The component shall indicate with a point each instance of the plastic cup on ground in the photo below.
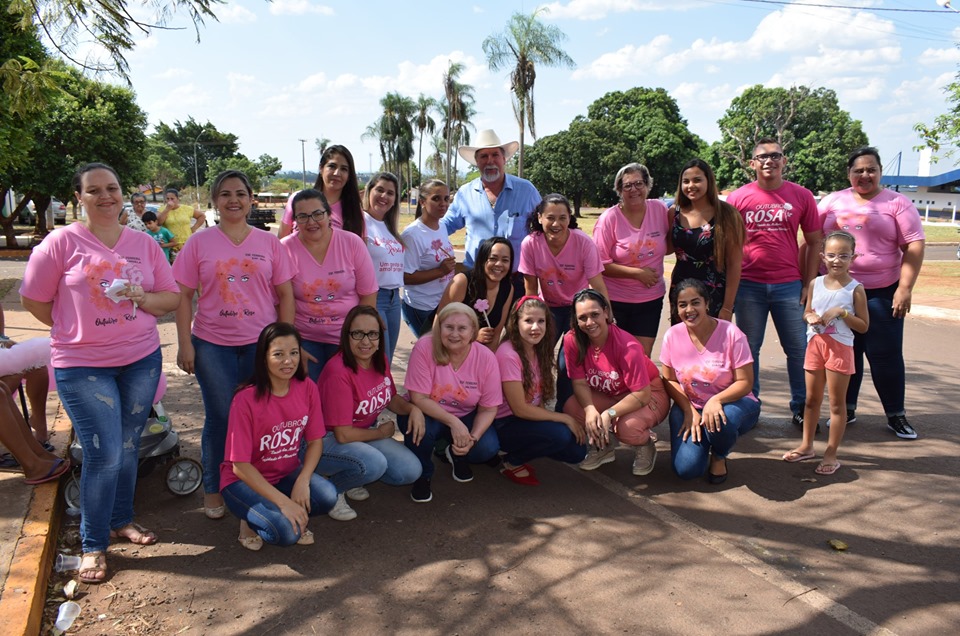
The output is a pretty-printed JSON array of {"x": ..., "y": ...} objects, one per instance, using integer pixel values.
[
  {"x": 67, "y": 614},
  {"x": 66, "y": 563}
]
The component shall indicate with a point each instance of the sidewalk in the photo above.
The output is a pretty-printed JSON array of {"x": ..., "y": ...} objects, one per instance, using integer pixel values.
[{"x": 585, "y": 552}]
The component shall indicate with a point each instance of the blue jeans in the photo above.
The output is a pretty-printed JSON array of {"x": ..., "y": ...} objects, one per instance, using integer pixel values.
[
  {"x": 782, "y": 302},
  {"x": 219, "y": 370},
  {"x": 564, "y": 383},
  {"x": 358, "y": 463},
  {"x": 388, "y": 304},
  {"x": 526, "y": 440},
  {"x": 322, "y": 351},
  {"x": 417, "y": 319},
  {"x": 484, "y": 450},
  {"x": 883, "y": 345},
  {"x": 265, "y": 518},
  {"x": 109, "y": 407},
  {"x": 561, "y": 321},
  {"x": 690, "y": 458}
]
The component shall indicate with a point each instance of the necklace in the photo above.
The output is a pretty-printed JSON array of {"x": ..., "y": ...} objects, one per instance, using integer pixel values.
[
  {"x": 596, "y": 352},
  {"x": 236, "y": 240}
]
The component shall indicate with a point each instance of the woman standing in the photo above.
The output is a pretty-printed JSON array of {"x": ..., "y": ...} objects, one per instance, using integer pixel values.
[
  {"x": 455, "y": 382},
  {"x": 616, "y": 388},
  {"x": 708, "y": 371},
  {"x": 100, "y": 287},
  {"x": 339, "y": 184},
  {"x": 557, "y": 260},
  {"x": 386, "y": 248},
  {"x": 633, "y": 237},
  {"x": 487, "y": 289},
  {"x": 356, "y": 386},
  {"x": 428, "y": 259},
  {"x": 708, "y": 238},
  {"x": 243, "y": 275},
  {"x": 182, "y": 220},
  {"x": 333, "y": 275},
  {"x": 525, "y": 428},
  {"x": 890, "y": 247}
]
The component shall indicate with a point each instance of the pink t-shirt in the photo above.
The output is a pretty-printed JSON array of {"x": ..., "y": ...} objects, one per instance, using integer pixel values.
[
  {"x": 511, "y": 370},
  {"x": 881, "y": 226},
  {"x": 386, "y": 253},
  {"x": 326, "y": 291},
  {"x": 565, "y": 274},
  {"x": 621, "y": 243},
  {"x": 773, "y": 217},
  {"x": 703, "y": 374},
  {"x": 458, "y": 391},
  {"x": 336, "y": 213},
  {"x": 73, "y": 269},
  {"x": 353, "y": 399},
  {"x": 237, "y": 283},
  {"x": 620, "y": 367},
  {"x": 267, "y": 433}
]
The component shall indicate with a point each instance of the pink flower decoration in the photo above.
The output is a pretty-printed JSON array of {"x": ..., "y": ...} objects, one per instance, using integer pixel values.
[{"x": 482, "y": 305}]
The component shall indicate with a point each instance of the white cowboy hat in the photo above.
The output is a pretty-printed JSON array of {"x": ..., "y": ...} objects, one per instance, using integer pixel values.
[{"x": 488, "y": 139}]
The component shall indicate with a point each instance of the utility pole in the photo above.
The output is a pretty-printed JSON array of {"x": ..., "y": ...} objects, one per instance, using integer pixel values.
[
  {"x": 196, "y": 171},
  {"x": 303, "y": 157}
]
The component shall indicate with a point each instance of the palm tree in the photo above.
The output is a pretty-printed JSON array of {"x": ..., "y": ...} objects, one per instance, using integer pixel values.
[
  {"x": 373, "y": 132},
  {"x": 435, "y": 160},
  {"x": 425, "y": 123},
  {"x": 525, "y": 43},
  {"x": 457, "y": 109}
]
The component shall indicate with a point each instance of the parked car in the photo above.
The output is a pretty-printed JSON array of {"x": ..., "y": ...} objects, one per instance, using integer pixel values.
[{"x": 59, "y": 211}]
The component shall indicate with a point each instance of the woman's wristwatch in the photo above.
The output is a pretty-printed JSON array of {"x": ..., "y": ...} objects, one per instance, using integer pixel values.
[{"x": 612, "y": 413}]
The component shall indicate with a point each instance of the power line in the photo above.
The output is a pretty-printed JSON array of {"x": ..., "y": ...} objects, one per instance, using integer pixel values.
[{"x": 845, "y": 6}]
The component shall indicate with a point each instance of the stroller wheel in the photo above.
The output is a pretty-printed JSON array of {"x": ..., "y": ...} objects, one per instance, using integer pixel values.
[
  {"x": 184, "y": 476},
  {"x": 71, "y": 490}
]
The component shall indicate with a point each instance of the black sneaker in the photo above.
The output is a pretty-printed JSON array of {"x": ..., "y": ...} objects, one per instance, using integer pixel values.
[
  {"x": 851, "y": 416},
  {"x": 797, "y": 420},
  {"x": 461, "y": 467},
  {"x": 899, "y": 425},
  {"x": 421, "y": 492}
]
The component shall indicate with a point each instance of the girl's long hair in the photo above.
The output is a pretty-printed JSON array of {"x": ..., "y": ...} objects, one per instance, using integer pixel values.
[
  {"x": 350, "y": 196},
  {"x": 543, "y": 351},
  {"x": 477, "y": 277},
  {"x": 260, "y": 380},
  {"x": 533, "y": 221},
  {"x": 392, "y": 217},
  {"x": 578, "y": 336},
  {"x": 727, "y": 221}
]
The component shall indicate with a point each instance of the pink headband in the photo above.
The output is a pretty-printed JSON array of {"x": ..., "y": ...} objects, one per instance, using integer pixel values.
[{"x": 523, "y": 299}]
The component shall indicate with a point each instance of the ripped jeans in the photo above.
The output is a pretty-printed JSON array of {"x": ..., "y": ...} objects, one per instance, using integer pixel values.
[{"x": 109, "y": 407}]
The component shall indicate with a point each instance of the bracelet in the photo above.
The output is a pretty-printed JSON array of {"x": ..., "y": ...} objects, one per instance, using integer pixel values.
[{"x": 844, "y": 314}]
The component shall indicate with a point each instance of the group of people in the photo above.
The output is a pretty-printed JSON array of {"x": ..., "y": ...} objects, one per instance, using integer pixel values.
[{"x": 293, "y": 338}]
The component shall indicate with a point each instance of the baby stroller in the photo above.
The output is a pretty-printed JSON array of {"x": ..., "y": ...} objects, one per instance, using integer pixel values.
[{"x": 159, "y": 444}]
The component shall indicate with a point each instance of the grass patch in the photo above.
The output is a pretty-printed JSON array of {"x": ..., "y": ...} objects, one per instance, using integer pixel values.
[{"x": 942, "y": 233}]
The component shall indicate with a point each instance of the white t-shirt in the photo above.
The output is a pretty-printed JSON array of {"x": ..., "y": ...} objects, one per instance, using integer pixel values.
[
  {"x": 425, "y": 248},
  {"x": 386, "y": 252}
]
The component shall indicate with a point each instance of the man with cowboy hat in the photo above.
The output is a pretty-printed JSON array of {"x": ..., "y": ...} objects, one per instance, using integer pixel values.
[{"x": 494, "y": 204}]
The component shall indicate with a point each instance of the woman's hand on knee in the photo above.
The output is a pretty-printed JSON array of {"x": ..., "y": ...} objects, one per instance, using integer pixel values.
[{"x": 713, "y": 416}]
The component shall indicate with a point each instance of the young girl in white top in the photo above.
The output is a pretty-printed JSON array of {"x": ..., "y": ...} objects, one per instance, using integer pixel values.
[{"x": 836, "y": 307}]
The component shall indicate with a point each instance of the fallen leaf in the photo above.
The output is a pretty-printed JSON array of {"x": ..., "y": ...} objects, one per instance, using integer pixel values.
[{"x": 837, "y": 545}]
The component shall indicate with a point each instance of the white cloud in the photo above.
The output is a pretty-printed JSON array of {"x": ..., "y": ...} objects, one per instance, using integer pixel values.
[
  {"x": 628, "y": 61},
  {"x": 598, "y": 9},
  {"x": 174, "y": 73},
  {"x": 314, "y": 82},
  {"x": 176, "y": 103},
  {"x": 478, "y": 9},
  {"x": 799, "y": 28},
  {"x": 933, "y": 57},
  {"x": 235, "y": 14},
  {"x": 712, "y": 51},
  {"x": 298, "y": 7}
]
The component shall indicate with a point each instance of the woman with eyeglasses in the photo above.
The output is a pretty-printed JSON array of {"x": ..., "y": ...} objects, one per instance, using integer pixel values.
[
  {"x": 487, "y": 288},
  {"x": 707, "y": 236},
  {"x": 333, "y": 275},
  {"x": 633, "y": 237},
  {"x": 381, "y": 200},
  {"x": 617, "y": 392},
  {"x": 243, "y": 275},
  {"x": 356, "y": 386},
  {"x": 890, "y": 247},
  {"x": 338, "y": 182}
]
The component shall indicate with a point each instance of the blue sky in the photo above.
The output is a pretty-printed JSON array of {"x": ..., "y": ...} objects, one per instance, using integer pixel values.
[{"x": 273, "y": 73}]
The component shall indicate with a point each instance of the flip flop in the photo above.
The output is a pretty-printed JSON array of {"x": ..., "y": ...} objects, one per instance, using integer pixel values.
[
  {"x": 142, "y": 536},
  {"x": 90, "y": 574},
  {"x": 60, "y": 467},
  {"x": 827, "y": 469},
  {"x": 794, "y": 456}
]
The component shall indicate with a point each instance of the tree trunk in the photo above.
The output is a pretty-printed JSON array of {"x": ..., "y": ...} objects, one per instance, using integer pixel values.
[
  {"x": 522, "y": 126},
  {"x": 577, "y": 200}
]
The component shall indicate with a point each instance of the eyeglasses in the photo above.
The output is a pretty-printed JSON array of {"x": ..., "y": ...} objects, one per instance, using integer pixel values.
[
  {"x": 830, "y": 256},
  {"x": 634, "y": 185},
  {"x": 772, "y": 156},
  {"x": 358, "y": 335},
  {"x": 316, "y": 216}
]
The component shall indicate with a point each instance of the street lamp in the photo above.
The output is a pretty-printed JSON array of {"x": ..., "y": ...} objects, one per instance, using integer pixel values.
[
  {"x": 196, "y": 171},
  {"x": 946, "y": 5},
  {"x": 303, "y": 158}
]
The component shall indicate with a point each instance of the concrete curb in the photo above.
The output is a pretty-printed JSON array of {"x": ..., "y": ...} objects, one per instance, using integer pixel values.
[{"x": 922, "y": 311}]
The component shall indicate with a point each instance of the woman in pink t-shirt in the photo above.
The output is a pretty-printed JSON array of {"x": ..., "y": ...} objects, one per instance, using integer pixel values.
[
  {"x": 100, "y": 288},
  {"x": 616, "y": 388},
  {"x": 334, "y": 274},
  {"x": 338, "y": 182},
  {"x": 633, "y": 237},
  {"x": 455, "y": 381},
  {"x": 243, "y": 275},
  {"x": 526, "y": 429},
  {"x": 890, "y": 246},
  {"x": 272, "y": 415},
  {"x": 356, "y": 386},
  {"x": 708, "y": 371}
]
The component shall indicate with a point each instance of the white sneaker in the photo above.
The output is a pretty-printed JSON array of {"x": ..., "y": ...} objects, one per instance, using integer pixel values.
[
  {"x": 596, "y": 457},
  {"x": 358, "y": 494},
  {"x": 645, "y": 459},
  {"x": 342, "y": 510}
]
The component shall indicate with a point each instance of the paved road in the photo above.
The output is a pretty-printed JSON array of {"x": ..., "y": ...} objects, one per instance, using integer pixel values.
[{"x": 941, "y": 252}]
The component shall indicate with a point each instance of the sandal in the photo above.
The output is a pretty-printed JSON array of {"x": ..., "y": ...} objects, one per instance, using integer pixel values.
[
  {"x": 59, "y": 468},
  {"x": 824, "y": 468},
  {"x": 521, "y": 474},
  {"x": 253, "y": 542},
  {"x": 135, "y": 533},
  {"x": 96, "y": 573},
  {"x": 306, "y": 538}
]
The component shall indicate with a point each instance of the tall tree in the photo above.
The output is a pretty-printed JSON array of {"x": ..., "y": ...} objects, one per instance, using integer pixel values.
[
  {"x": 944, "y": 134},
  {"x": 161, "y": 166},
  {"x": 525, "y": 43},
  {"x": 457, "y": 111},
  {"x": 321, "y": 143},
  {"x": 193, "y": 140},
  {"x": 815, "y": 133},
  {"x": 425, "y": 124}
]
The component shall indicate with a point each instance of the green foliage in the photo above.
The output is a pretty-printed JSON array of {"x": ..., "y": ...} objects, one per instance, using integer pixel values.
[
  {"x": 192, "y": 139},
  {"x": 651, "y": 127},
  {"x": 258, "y": 172},
  {"x": 815, "y": 133},
  {"x": 944, "y": 134},
  {"x": 580, "y": 162},
  {"x": 161, "y": 167}
]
